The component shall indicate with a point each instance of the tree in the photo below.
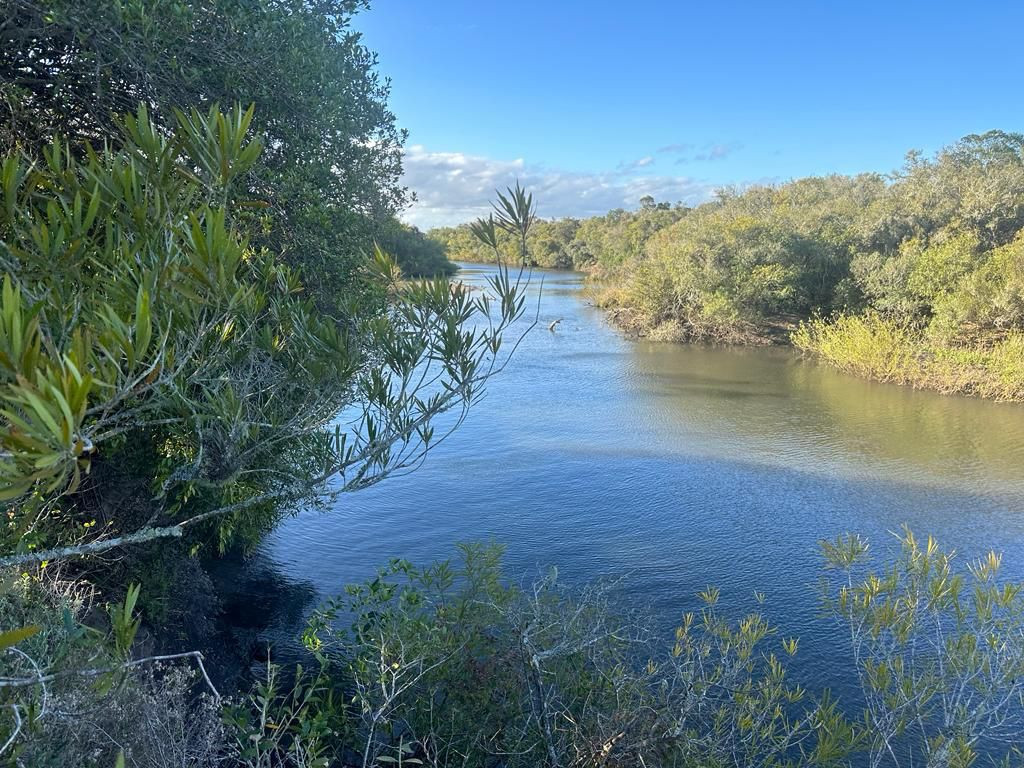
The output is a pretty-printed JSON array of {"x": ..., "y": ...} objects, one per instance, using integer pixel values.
[
  {"x": 331, "y": 155},
  {"x": 415, "y": 253},
  {"x": 150, "y": 351}
]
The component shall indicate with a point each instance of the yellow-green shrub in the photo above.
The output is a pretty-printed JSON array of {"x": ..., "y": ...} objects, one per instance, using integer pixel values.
[{"x": 871, "y": 346}]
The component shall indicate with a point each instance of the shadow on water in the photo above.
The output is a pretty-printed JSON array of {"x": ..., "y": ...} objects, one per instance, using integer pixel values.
[
  {"x": 263, "y": 611},
  {"x": 681, "y": 466}
]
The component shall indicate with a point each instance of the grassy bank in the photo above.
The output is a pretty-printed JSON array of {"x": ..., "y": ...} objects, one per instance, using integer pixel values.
[
  {"x": 871, "y": 346},
  {"x": 866, "y": 345},
  {"x": 937, "y": 246}
]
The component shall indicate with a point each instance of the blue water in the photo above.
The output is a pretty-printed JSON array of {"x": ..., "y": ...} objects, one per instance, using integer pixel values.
[{"x": 678, "y": 467}]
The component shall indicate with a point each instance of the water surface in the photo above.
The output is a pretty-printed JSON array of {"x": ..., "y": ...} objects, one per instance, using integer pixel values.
[{"x": 682, "y": 466}]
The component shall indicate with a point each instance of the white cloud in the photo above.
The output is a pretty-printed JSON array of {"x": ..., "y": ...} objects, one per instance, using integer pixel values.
[
  {"x": 707, "y": 153},
  {"x": 643, "y": 162},
  {"x": 453, "y": 187},
  {"x": 674, "y": 149},
  {"x": 718, "y": 151}
]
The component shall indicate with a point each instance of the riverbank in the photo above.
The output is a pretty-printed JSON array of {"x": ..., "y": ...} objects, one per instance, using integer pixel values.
[
  {"x": 869, "y": 346},
  {"x": 862, "y": 345},
  {"x": 694, "y": 328},
  {"x": 937, "y": 247}
]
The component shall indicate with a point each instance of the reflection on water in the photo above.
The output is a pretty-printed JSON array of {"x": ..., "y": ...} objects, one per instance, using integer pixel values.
[
  {"x": 683, "y": 466},
  {"x": 772, "y": 405}
]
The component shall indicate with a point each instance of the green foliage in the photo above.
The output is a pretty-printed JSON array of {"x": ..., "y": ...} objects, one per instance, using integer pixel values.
[
  {"x": 867, "y": 344},
  {"x": 415, "y": 253},
  {"x": 126, "y": 276},
  {"x": 593, "y": 243},
  {"x": 987, "y": 301},
  {"x": 124, "y": 624},
  {"x": 886, "y": 350},
  {"x": 150, "y": 346},
  {"x": 938, "y": 652},
  {"x": 297, "y": 724},
  {"x": 332, "y": 157},
  {"x": 509, "y": 227},
  {"x": 733, "y": 268},
  {"x": 916, "y": 278},
  {"x": 450, "y": 666},
  {"x": 12, "y": 637}
]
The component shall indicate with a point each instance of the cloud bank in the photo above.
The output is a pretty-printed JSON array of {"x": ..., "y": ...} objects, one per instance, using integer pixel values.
[{"x": 453, "y": 187}]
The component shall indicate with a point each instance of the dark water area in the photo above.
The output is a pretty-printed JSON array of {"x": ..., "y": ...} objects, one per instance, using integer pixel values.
[{"x": 677, "y": 467}]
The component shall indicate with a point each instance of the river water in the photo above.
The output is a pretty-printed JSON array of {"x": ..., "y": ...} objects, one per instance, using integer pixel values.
[{"x": 677, "y": 467}]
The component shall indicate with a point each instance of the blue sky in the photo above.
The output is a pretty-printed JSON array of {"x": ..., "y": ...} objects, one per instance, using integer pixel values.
[{"x": 594, "y": 104}]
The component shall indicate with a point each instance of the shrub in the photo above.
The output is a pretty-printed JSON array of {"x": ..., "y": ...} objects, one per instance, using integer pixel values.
[
  {"x": 448, "y": 665},
  {"x": 869, "y": 345},
  {"x": 72, "y": 694},
  {"x": 150, "y": 353}
]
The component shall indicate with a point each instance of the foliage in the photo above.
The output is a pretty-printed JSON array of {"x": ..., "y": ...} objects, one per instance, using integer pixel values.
[
  {"x": 279, "y": 724},
  {"x": 886, "y": 350},
  {"x": 450, "y": 666},
  {"x": 568, "y": 243},
  {"x": 916, "y": 278},
  {"x": 938, "y": 652},
  {"x": 511, "y": 223},
  {"x": 332, "y": 154},
  {"x": 72, "y": 694},
  {"x": 150, "y": 352},
  {"x": 415, "y": 253},
  {"x": 921, "y": 249},
  {"x": 164, "y": 374}
]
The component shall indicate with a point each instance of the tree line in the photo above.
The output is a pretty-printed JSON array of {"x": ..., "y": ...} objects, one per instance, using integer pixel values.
[{"x": 916, "y": 276}]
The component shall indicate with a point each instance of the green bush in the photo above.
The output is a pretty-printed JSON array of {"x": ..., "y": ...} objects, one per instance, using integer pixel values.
[
  {"x": 151, "y": 353},
  {"x": 867, "y": 345},
  {"x": 331, "y": 163},
  {"x": 885, "y": 350},
  {"x": 451, "y": 665}
]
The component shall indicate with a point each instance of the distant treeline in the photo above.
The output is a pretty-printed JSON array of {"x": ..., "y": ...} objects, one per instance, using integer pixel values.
[
  {"x": 915, "y": 277},
  {"x": 569, "y": 243}
]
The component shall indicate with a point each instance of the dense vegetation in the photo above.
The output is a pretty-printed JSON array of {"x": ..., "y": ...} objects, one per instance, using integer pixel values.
[
  {"x": 601, "y": 241},
  {"x": 917, "y": 277},
  {"x": 202, "y": 331},
  {"x": 328, "y": 172},
  {"x": 165, "y": 379},
  {"x": 450, "y": 666}
]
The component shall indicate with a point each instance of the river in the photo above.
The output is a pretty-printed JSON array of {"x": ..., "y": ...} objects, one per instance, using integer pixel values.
[{"x": 680, "y": 466}]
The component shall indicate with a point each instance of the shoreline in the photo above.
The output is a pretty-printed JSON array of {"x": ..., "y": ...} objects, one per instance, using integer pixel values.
[{"x": 861, "y": 345}]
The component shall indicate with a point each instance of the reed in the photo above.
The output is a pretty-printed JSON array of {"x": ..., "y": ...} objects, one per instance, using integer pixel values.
[{"x": 875, "y": 347}]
